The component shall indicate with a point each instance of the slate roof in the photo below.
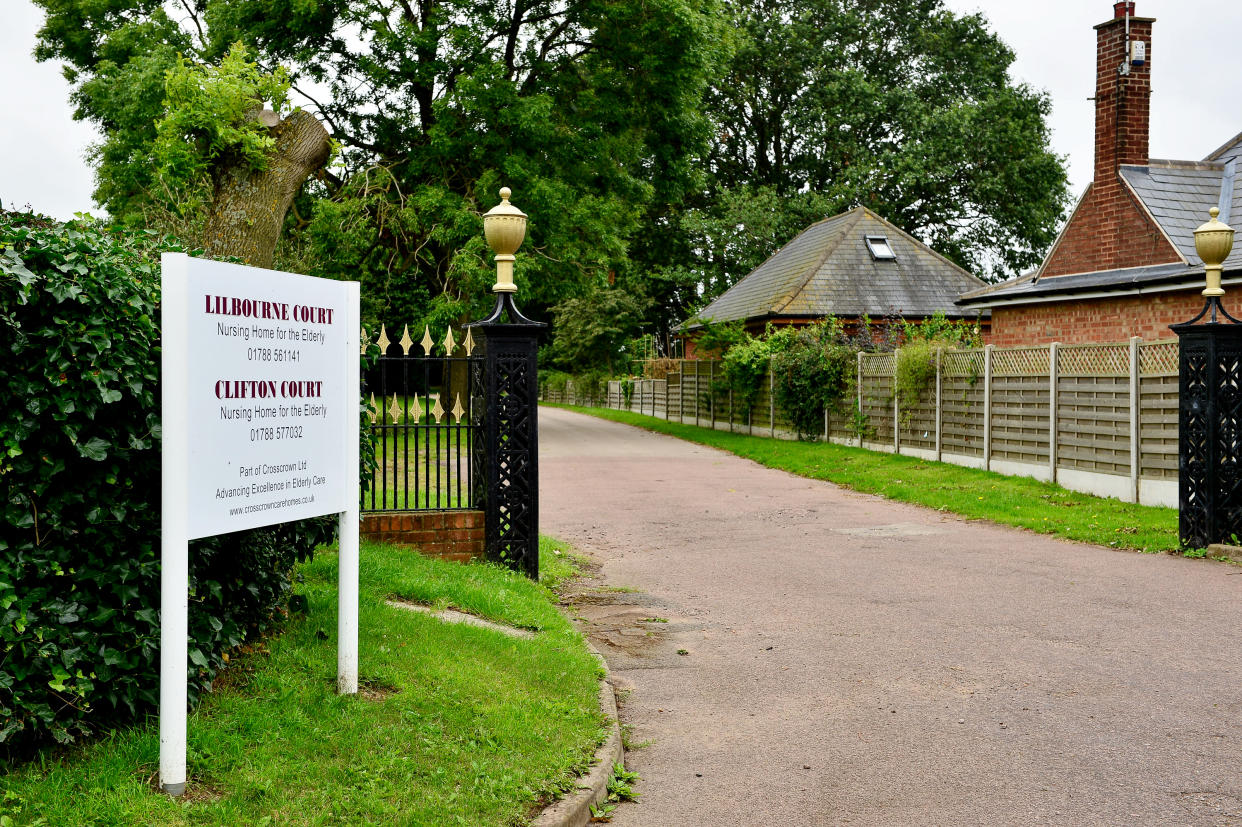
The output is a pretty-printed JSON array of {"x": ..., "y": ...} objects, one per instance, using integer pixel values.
[
  {"x": 828, "y": 270},
  {"x": 1177, "y": 195}
]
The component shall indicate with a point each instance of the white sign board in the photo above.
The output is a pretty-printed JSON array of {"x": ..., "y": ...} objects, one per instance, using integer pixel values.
[
  {"x": 259, "y": 411},
  {"x": 267, "y": 357}
]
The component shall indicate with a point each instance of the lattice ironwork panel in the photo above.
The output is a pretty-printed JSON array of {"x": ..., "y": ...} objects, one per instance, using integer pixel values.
[
  {"x": 967, "y": 363},
  {"x": 1093, "y": 360},
  {"x": 1195, "y": 484},
  {"x": 1158, "y": 359},
  {"x": 514, "y": 479},
  {"x": 1023, "y": 361},
  {"x": 1229, "y": 445}
]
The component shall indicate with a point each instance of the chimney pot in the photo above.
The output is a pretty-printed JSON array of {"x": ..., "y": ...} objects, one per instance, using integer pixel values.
[{"x": 1120, "y": 9}]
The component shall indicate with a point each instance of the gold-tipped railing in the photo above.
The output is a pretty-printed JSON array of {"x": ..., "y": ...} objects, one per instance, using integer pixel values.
[{"x": 422, "y": 421}]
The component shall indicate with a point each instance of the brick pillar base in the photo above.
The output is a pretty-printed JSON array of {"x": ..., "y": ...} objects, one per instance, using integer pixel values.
[{"x": 448, "y": 535}]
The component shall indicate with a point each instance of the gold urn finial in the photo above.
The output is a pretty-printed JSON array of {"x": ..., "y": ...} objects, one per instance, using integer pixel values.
[
  {"x": 1213, "y": 243},
  {"x": 504, "y": 227}
]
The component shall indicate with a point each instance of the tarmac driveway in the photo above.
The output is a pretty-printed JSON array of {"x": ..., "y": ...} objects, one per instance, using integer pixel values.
[{"x": 800, "y": 654}]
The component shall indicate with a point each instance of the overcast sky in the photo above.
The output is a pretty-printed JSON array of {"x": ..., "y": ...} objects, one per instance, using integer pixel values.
[{"x": 1194, "y": 80}]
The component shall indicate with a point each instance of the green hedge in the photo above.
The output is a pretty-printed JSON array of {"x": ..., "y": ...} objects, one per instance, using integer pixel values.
[{"x": 80, "y": 469}]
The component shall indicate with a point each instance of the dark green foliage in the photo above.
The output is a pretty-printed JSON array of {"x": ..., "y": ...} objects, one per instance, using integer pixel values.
[
  {"x": 902, "y": 106},
  {"x": 593, "y": 331},
  {"x": 590, "y": 111},
  {"x": 921, "y": 344},
  {"x": 713, "y": 339},
  {"x": 813, "y": 371},
  {"x": 554, "y": 381},
  {"x": 744, "y": 366},
  {"x": 80, "y": 469}
]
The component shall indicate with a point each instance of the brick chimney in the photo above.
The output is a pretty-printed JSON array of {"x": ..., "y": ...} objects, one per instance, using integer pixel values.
[
  {"x": 1122, "y": 92},
  {"x": 1109, "y": 229}
]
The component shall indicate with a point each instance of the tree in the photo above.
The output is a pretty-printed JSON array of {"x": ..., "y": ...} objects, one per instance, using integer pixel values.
[
  {"x": 592, "y": 330},
  {"x": 589, "y": 109},
  {"x": 217, "y": 146},
  {"x": 897, "y": 105}
]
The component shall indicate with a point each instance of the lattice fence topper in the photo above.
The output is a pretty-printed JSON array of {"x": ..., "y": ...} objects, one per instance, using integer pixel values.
[
  {"x": 1020, "y": 361},
  {"x": 967, "y": 363},
  {"x": 427, "y": 343},
  {"x": 1094, "y": 360},
  {"x": 878, "y": 364},
  {"x": 1158, "y": 359}
]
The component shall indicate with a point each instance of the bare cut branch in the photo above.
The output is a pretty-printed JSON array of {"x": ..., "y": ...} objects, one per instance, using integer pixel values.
[{"x": 202, "y": 40}]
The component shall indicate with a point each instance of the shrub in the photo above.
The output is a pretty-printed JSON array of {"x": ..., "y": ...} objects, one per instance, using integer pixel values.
[
  {"x": 552, "y": 381},
  {"x": 80, "y": 468},
  {"x": 714, "y": 339},
  {"x": 915, "y": 372},
  {"x": 744, "y": 366},
  {"x": 813, "y": 370},
  {"x": 592, "y": 385}
]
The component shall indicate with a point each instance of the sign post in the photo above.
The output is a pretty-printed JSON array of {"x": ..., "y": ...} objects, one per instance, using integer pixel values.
[{"x": 259, "y": 404}]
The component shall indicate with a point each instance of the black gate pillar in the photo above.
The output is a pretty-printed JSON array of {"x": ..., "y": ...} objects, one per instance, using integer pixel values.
[
  {"x": 506, "y": 464},
  {"x": 1210, "y": 406}
]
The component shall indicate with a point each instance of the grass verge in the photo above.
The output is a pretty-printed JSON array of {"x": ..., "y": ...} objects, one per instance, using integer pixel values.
[
  {"x": 454, "y": 724},
  {"x": 969, "y": 492}
]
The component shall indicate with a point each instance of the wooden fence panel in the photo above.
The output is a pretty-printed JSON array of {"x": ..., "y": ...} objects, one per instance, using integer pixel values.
[
  {"x": 1093, "y": 406},
  {"x": 918, "y": 423},
  {"x": 1158, "y": 442},
  {"x": 759, "y": 419},
  {"x": 1093, "y": 423},
  {"x": 1020, "y": 414},
  {"x": 877, "y": 396},
  {"x": 962, "y": 403},
  {"x": 841, "y": 423},
  {"x": 672, "y": 386}
]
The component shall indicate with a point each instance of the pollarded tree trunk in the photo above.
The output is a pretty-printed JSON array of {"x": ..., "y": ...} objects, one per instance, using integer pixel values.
[{"x": 249, "y": 206}]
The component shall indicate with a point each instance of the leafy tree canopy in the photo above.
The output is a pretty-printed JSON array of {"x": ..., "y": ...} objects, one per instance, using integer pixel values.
[
  {"x": 589, "y": 109},
  {"x": 667, "y": 145},
  {"x": 897, "y": 105}
]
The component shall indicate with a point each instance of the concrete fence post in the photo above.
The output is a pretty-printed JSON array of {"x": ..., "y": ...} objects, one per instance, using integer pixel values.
[
  {"x": 697, "y": 393},
  {"x": 896, "y": 405},
  {"x": 1136, "y": 433},
  {"x": 771, "y": 399},
  {"x": 711, "y": 389},
  {"x": 1054, "y": 377},
  {"x": 987, "y": 406},
  {"x": 939, "y": 403},
  {"x": 858, "y": 435}
]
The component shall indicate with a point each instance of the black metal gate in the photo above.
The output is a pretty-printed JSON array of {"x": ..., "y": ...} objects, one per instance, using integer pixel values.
[{"x": 426, "y": 414}]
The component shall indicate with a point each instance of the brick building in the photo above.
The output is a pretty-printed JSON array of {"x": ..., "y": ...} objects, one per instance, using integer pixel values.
[{"x": 1125, "y": 263}]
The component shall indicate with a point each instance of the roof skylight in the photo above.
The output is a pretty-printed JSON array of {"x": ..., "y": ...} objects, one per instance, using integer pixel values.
[{"x": 879, "y": 248}]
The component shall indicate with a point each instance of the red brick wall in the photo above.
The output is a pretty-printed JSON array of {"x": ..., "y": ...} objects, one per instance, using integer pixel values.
[
  {"x": 1110, "y": 229},
  {"x": 449, "y": 535},
  {"x": 1094, "y": 321},
  {"x": 1108, "y": 232}
]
